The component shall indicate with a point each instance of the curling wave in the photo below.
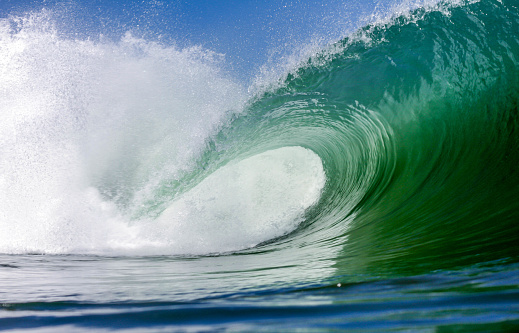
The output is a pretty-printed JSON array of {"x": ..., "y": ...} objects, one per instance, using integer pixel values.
[{"x": 392, "y": 149}]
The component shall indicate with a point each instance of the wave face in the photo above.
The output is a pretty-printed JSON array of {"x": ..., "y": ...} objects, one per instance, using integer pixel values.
[
  {"x": 415, "y": 121},
  {"x": 397, "y": 145}
]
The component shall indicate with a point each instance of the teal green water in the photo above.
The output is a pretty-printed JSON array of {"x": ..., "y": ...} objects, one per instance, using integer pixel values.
[
  {"x": 416, "y": 124},
  {"x": 415, "y": 120}
]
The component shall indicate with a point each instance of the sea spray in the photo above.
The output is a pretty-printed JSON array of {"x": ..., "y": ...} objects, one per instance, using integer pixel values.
[{"x": 90, "y": 127}]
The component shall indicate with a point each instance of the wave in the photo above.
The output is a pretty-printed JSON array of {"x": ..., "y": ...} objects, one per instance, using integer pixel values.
[
  {"x": 416, "y": 123},
  {"x": 391, "y": 150}
]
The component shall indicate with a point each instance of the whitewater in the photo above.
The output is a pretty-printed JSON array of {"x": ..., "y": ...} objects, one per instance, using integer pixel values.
[{"x": 363, "y": 181}]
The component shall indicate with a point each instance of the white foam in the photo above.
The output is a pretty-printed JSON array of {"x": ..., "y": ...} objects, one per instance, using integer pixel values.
[
  {"x": 88, "y": 124},
  {"x": 243, "y": 203},
  {"x": 90, "y": 129}
]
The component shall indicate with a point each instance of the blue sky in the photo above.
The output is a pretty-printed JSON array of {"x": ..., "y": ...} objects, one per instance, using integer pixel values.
[{"x": 246, "y": 31}]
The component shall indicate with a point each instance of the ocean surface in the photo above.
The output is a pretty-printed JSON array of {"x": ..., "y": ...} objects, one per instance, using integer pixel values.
[{"x": 369, "y": 183}]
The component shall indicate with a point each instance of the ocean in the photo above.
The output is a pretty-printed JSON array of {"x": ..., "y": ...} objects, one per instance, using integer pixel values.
[{"x": 369, "y": 183}]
